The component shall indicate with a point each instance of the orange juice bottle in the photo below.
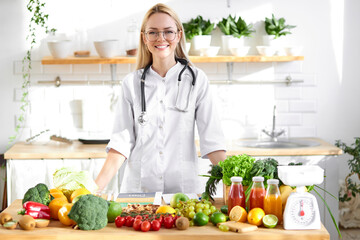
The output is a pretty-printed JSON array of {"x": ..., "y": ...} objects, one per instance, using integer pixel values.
[{"x": 272, "y": 201}]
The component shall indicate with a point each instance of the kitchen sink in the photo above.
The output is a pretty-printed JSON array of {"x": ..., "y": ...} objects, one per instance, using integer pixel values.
[{"x": 281, "y": 143}]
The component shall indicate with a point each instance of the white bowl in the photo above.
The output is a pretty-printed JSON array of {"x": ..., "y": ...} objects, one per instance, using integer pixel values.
[
  {"x": 59, "y": 48},
  {"x": 211, "y": 51},
  {"x": 239, "y": 51},
  {"x": 294, "y": 50},
  {"x": 106, "y": 48},
  {"x": 266, "y": 50}
]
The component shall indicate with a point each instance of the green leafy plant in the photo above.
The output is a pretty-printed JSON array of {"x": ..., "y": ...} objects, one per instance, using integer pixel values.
[
  {"x": 197, "y": 27},
  {"x": 351, "y": 188},
  {"x": 277, "y": 27},
  {"x": 237, "y": 28},
  {"x": 38, "y": 20}
]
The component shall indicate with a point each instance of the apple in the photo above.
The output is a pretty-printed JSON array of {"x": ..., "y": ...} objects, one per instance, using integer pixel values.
[{"x": 176, "y": 198}]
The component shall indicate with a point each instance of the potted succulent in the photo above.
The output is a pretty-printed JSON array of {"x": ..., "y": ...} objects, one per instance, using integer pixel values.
[
  {"x": 198, "y": 31},
  {"x": 275, "y": 28},
  {"x": 235, "y": 31}
]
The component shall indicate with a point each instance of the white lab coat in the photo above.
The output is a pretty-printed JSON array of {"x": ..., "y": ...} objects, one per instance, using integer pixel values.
[{"x": 161, "y": 155}]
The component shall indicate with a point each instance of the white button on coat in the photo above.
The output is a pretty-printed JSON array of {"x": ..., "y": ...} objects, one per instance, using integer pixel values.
[{"x": 141, "y": 145}]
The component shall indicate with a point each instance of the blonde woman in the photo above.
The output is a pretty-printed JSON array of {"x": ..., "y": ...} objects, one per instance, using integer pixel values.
[{"x": 155, "y": 120}]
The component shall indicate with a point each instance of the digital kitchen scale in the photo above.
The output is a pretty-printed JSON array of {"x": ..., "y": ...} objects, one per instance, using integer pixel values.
[{"x": 301, "y": 210}]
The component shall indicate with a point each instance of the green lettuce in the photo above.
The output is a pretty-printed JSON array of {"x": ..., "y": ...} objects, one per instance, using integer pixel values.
[
  {"x": 238, "y": 165},
  {"x": 68, "y": 180}
]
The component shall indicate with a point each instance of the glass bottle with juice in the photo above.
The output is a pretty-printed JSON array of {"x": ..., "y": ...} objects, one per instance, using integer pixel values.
[
  {"x": 236, "y": 194},
  {"x": 257, "y": 193},
  {"x": 272, "y": 201}
]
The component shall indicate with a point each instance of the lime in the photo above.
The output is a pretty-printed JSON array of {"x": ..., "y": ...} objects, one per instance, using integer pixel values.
[
  {"x": 217, "y": 217},
  {"x": 114, "y": 210},
  {"x": 270, "y": 221},
  {"x": 201, "y": 219},
  {"x": 224, "y": 209}
]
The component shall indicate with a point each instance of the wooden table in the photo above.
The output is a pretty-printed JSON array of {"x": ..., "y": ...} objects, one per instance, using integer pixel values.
[{"x": 58, "y": 231}]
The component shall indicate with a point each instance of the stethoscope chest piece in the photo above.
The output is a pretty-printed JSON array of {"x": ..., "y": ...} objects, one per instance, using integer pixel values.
[{"x": 143, "y": 119}]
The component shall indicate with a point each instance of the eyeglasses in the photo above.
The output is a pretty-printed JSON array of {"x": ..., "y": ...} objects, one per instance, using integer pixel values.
[{"x": 168, "y": 35}]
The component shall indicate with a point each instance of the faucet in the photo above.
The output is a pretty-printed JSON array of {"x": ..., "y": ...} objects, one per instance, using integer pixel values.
[{"x": 273, "y": 134}]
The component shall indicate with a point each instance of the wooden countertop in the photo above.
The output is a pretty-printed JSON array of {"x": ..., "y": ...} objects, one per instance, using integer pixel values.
[
  {"x": 56, "y": 150},
  {"x": 58, "y": 231}
]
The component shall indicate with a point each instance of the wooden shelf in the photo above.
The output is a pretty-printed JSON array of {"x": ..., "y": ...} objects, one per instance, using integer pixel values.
[{"x": 196, "y": 59}]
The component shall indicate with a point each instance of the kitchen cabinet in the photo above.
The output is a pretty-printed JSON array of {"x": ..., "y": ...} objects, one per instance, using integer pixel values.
[{"x": 56, "y": 230}]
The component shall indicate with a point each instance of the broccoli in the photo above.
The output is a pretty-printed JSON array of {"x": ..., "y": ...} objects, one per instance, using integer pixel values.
[
  {"x": 40, "y": 193},
  {"x": 90, "y": 212}
]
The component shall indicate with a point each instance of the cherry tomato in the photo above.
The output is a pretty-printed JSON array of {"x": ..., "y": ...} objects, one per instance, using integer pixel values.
[
  {"x": 155, "y": 225},
  {"x": 168, "y": 222},
  {"x": 129, "y": 221},
  {"x": 137, "y": 224},
  {"x": 160, "y": 218},
  {"x": 176, "y": 217},
  {"x": 119, "y": 221},
  {"x": 145, "y": 226},
  {"x": 138, "y": 217}
]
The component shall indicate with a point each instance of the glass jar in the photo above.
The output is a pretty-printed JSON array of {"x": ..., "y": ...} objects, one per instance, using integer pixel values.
[
  {"x": 236, "y": 194},
  {"x": 257, "y": 193},
  {"x": 132, "y": 38},
  {"x": 272, "y": 202}
]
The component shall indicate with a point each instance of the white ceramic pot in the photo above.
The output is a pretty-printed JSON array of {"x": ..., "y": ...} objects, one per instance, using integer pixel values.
[
  {"x": 59, "y": 48},
  {"x": 107, "y": 48},
  {"x": 240, "y": 51},
  {"x": 225, "y": 44},
  {"x": 211, "y": 51},
  {"x": 236, "y": 42},
  {"x": 199, "y": 42},
  {"x": 277, "y": 43}
]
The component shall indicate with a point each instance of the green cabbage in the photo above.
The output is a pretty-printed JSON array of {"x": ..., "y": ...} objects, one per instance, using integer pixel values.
[{"x": 68, "y": 180}]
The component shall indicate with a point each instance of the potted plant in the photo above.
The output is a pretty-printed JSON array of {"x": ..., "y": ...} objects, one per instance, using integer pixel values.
[
  {"x": 350, "y": 192},
  {"x": 275, "y": 28},
  {"x": 198, "y": 31},
  {"x": 235, "y": 31}
]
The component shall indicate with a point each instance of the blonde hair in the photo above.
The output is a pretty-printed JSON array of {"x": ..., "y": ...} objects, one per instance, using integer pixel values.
[{"x": 144, "y": 56}]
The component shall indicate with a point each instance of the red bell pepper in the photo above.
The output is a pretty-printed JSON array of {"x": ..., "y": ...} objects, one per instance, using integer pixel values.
[{"x": 36, "y": 210}]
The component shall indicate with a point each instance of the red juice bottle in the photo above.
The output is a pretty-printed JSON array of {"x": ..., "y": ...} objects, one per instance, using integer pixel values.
[
  {"x": 257, "y": 193},
  {"x": 236, "y": 194}
]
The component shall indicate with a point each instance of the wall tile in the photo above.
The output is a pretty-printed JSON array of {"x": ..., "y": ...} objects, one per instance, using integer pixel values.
[
  {"x": 57, "y": 68},
  {"x": 207, "y": 67},
  {"x": 120, "y": 68},
  {"x": 288, "y": 119},
  {"x": 305, "y": 131},
  {"x": 288, "y": 67},
  {"x": 86, "y": 68},
  {"x": 302, "y": 106},
  {"x": 282, "y": 106},
  {"x": 288, "y": 93}
]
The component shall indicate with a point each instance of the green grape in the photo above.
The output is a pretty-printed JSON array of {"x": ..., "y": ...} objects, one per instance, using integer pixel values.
[
  {"x": 207, "y": 212},
  {"x": 191, "y": 214},
  {"x": 206, "y": 206},
  {"x": 191, "y": 223},
  {"x": 213, "y": 209},
  {"x": 191, "y": 208},
  {"x": 178, "y": 205},
  {"x": 198, "y": 210},
  {"x": 199, "y": 205},
  {"x": 224, "y": 228}
]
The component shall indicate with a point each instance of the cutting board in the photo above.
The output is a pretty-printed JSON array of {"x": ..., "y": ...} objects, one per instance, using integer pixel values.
[{"x": 239, "y": 227}]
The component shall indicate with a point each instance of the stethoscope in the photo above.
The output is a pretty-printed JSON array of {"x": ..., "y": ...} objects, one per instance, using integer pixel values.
[{"x": 143, "y": 119}]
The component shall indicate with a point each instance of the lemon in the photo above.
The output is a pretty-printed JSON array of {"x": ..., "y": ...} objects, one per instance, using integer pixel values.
[
  {"x": 255, "y": 216},
  {"x": 238, "y": 214},
  {"x": 165, "y": 209},
  {"x": 270, "y": 221}
]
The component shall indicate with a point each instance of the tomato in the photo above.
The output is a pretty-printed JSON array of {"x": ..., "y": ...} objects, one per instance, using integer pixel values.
[
  {"x": 145, "y": 226},
  {"x": 129, "y": 221},
  {"x": 155, "y": 225},
  {"x": 176, "y": 217},
  {"x": 137, "y": 224},
  {"x": 160, "y": 218},
  {"x": 138, "y": 217},
  {"x": 119, "y": 221},
  {"x": 168, "y": 222}
]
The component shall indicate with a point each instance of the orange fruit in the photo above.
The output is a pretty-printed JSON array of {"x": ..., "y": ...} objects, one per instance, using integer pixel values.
[
  {"x": 165, "y": 209},
  {"x": 63, "y": 214},
  {"x": 78, "y": 192},
  {"x": 55, "y": 206},
  {"x": 238, "y": 214},
  {"x": 255, "y": 216}
]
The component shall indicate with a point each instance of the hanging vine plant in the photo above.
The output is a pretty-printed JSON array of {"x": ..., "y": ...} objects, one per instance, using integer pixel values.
[{"x": 38, "y": 21}]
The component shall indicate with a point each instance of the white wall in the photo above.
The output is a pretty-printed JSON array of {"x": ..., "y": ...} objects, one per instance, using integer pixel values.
[{"x": 324, "y": 106}]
